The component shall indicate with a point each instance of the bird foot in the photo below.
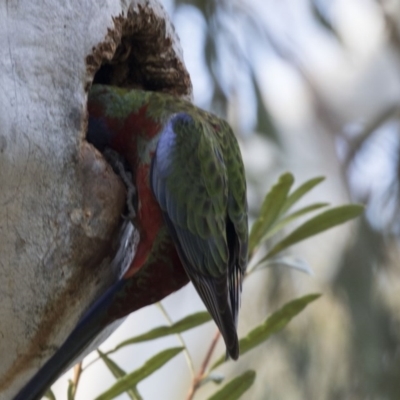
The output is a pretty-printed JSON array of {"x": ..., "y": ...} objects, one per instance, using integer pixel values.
[{"x": 118, "y": 164}]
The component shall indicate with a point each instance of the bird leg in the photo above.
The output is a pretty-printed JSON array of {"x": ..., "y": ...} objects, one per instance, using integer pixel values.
[{"x": 120, "y": 168}]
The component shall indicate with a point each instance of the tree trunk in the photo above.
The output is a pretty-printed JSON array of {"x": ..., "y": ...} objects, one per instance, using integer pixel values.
[{"x": 62, "y": 239}]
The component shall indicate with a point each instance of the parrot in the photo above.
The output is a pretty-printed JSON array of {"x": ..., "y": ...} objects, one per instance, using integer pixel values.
[{"x": 189, "y": 207}]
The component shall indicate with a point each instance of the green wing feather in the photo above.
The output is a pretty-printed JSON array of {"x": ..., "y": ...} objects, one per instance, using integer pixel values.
[{"x": 192, "y": 177}]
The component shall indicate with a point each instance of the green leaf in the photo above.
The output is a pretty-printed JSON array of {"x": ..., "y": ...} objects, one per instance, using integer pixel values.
[
  {"x": 236, "y": 387},
  {"x": 50, "y": 395},
  {"x": 182, "y": 325},
  {"x": 274, "y": 323},
  {"x": 270, "y": 209},
  {"x": 280, "y": 224},
  {"x": 321, "y": 222},
  {"x": 289, "y": 261},
  {"x": 300, "y": 192},
  {"x": 70, "y": 392},
  {"x": 112, "y": 366},
  {"x": 132, "y": 379},
  {"x": 118, "y": 373}
]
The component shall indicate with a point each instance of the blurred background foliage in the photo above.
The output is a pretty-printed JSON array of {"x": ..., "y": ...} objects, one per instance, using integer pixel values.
[{"x": 313, "y": 87}]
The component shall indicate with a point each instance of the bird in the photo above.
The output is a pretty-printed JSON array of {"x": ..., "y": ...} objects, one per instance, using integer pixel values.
[{"x": 189, "y": 207}]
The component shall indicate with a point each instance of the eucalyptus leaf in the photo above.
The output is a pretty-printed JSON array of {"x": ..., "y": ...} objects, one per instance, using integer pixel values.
[
  {"x": 112, "y": 366},
  {"x": 70, "y": 391},
  {"x": 118, "y": 372},
  {"x": 274, "y": 323},
  {"x": 132, "y": 379},
  {"x": 50, "y": 395},
  {"x": 182, "y": 325},
  {"x": 270, "y": 209},
  {"x": 320, "y": 223},
  {"x": 296, "y": 263},
  {"x": 280, "y": 224},
  {"x": 302, "y": 190},
  {"x": 236, "y": 387}
]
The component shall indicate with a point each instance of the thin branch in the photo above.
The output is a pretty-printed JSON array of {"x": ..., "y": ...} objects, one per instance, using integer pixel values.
[
  {"x": 77, "y": 376},
  {"x": 201, "y": 374},
  {"x": 185, "y": 352}
]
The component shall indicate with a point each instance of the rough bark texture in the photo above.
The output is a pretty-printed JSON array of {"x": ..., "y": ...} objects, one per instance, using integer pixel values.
[{"x": 60, "y": 203}]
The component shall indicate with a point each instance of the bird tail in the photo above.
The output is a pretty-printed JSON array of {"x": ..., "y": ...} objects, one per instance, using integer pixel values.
[{"x": 215, "y": 294}]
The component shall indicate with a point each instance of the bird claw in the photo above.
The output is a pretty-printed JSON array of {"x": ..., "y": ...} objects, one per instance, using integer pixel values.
[{"x": 118, "y": 165}]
